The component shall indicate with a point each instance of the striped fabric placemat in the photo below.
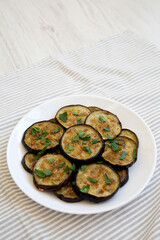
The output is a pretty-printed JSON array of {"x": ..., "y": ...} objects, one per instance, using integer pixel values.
[{"x": 124, "y": 68}]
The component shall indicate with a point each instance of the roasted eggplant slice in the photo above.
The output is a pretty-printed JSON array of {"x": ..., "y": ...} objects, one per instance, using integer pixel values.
[
  {"x": 120, "y": 152},
  {"x": 97, "y": 182},
  {"x": 93, "y": 108},
  {"x": 71, "y": 115},
  {"x": 123, "y": 176},
  {"x": 52, "y": 171},
  {"x": 106, "y": 123},
  {"x": 41, "y": 134},
  {"x": 68, "y": 194},
  {"x": 28, "y": 162},
  {"x": 130, "y": 134},
  {"x": 81, "y": 144}
]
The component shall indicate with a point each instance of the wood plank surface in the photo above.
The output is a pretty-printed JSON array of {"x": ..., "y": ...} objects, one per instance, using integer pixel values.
[{"x": 31, "y": 30}]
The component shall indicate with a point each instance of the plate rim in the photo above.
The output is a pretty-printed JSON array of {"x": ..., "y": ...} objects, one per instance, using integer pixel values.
[{"x": 77, "y": 212}]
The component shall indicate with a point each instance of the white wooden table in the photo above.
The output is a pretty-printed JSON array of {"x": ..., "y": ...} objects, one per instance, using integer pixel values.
[{"x": 31, "y": 30}]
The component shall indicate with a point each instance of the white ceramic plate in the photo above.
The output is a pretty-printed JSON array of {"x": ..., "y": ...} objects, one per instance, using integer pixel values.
[{"x": 139, "y": 174}]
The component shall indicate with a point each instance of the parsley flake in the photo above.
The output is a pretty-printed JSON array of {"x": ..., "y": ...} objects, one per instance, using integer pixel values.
[
  {"x": 123, "y": 156},
  {"x": 92, "y": 180},
  {"x": 134, "y": 153},
  {"x": 107, "y": 179},
  {"x": 83, "y": 135},
  {"x": 40, "y": 153},
  {"x": 96, "y": 140},
  {"x": 51, "y": 160},
  {"x": 63, "y": 116},
  {"x": 42, "y": 174},
  {"x": 85, "y": 188},
  {"x": 70, "y": 148},
  {"x": 35, "y": 130},
  {"x": 102, "y": 119},
  {"x": 56, "y": 130},
  {"x": 86, "y": 148},
  {"x": 83, "y": 167},
  {"x": 79, "y": 121},
  {"x": 77, "y": 114},
  {"x": 107, "y": 128},
  {"x": 61, "y": 165}
]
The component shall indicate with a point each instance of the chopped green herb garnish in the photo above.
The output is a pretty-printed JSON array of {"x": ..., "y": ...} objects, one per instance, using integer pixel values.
[
  {"x": 107, "y": 179},
  {"x": 93, "y": 141},
  {"x": 92, "y": 180},
  {"x": 123, "y": 156},
  {"x": 83, "y": 167},
  {"x": 67, "y": 170},
  {"x": 61, "y": 165},
  {"x": 75, "y": 139},
  {"x": 44, "y": 132},
  {"x": 79, "y": 121},
  {"x": 86, "y": 148},
  {"x": 100, "y": 162},
  {"x": 134, "y": 153},
  {"x": 77, "y": 114},
  {"x": 47, "y": 142},
  {"x": 109, "y": 137},
  {"x": 73, "y": 167},
  {"x": 70, "y": 148},
  {"x": 115, "y": 146},
  {"x": 63, "y": 116},
  {"x": 84, "y": 142},
  {"x": 102, "y": 119},
  {"x": 85, "y": 188},
  {"x": 83, "y": 135},
  {"x": 107, "y": 128},
  {"x": 119, "y": 143},
  {"x": 35, "y": 130},
  {"x": 53, "y": 183},
  {"x": 57, "y": 140},
  {"x": 106, "y": 144},
  {"x": 51, "y": 160},
  {"x": 42, "y": 174},
  {"x": 40, "y": 153},
  {"x": 56, "y": 130}
]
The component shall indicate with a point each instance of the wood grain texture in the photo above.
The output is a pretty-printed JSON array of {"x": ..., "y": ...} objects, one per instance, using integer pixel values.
[{"x": 31, "y": 30}]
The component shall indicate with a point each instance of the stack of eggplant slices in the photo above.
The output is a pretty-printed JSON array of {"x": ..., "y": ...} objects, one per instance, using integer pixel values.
[{"x": 82, "y": 153}]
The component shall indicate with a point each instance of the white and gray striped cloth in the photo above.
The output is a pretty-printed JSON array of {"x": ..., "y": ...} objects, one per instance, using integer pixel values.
[{"x": 124, "y": 68}]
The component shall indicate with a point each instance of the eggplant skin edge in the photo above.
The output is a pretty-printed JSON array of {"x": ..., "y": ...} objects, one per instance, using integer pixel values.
[
  {"x": 69, "y": 200},
  {"x": 30, "y": 150},
  {"x": 54, "y": 187},
  {"x": 132, "y": 132},
  {"x": 82, "y": 161},
  {"x": 24, "y": 164},
  {"x": 125, "y": 180},
  {"x": 93, "y": 198}
]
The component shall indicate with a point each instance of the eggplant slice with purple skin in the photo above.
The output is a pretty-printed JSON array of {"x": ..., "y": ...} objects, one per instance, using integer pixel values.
[
  {"x": 120, "y": 152},
  {"x": 130, "y": 134},
  {"x": 81, "y": 144},
  {"x": 97, "y": 182},
  {"x": 41, "y": 134},
  {"x": 93, "y": 108},
  {"x": 106, "y": 123},
  {"x": 72, "y": 114},
  {"x": 67, "y": 194},
  {"x": 28, "y": 162},
  {"x": 124, "y": 176},
  {"x": 52, "y": 171}
]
